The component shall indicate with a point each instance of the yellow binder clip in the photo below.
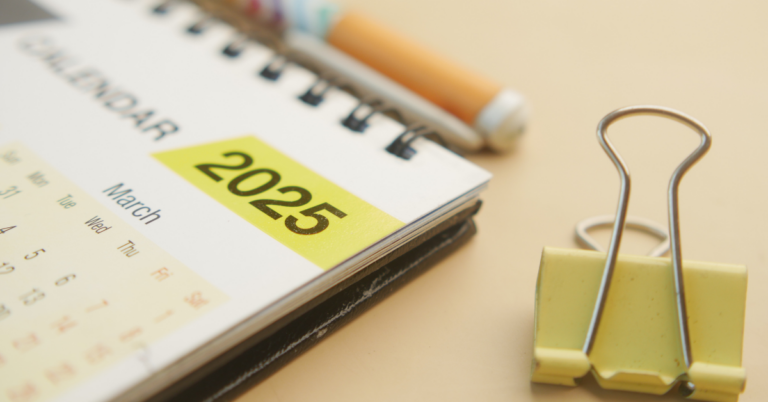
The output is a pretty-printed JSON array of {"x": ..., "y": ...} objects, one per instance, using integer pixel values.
[{"x": 641, "y": 323}]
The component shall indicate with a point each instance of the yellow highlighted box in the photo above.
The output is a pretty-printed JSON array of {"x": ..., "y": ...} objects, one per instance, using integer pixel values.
[{"x": 314, "y": 217}]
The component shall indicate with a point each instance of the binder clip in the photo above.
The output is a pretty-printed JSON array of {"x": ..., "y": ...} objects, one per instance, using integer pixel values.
[{"x": 641, "y": 323}]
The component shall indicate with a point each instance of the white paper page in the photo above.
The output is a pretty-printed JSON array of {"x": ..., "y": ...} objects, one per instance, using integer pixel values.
[{"x": 84, "y": 146}]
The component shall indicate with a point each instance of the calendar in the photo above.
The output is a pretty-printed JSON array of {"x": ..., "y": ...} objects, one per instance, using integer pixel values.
[
  {"x": 153, "y": 222},
  {"x": 80, "y": 289}
]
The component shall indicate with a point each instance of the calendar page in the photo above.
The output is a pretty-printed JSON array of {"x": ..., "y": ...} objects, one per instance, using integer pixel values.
[
  {"x": 79, "y": 288},
  {"x": 158, "y": 196}
]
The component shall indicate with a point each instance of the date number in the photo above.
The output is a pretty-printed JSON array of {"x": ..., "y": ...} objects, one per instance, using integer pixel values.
[{"x": 270, "y": 179}]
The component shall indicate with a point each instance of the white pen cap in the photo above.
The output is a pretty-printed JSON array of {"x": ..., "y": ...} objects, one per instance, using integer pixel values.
[{"x": 503, "y": 120}]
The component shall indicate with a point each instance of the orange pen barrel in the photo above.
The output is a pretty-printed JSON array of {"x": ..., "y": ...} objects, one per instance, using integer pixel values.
[{"x": 455, "y": 89}]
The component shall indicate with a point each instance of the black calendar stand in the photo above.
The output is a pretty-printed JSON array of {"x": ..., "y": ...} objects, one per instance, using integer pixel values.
[{"x": 252, "y": 361}]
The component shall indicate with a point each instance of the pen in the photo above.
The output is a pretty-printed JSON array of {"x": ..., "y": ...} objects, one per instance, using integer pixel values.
[
  {"x": 497, "y": 114},
  {"x": 371, "y": 84}
]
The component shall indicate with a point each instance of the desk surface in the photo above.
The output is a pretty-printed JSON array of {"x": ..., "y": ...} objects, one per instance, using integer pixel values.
[{"x": 464, "y": 330}]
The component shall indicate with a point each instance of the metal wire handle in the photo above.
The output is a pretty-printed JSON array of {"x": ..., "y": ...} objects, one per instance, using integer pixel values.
[
  {"x": 674, "y": 220},
  {"x": 632, "y": 222}
]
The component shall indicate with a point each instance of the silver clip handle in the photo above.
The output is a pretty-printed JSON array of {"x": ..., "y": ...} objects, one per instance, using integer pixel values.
[{"x": 674, "y": 220}]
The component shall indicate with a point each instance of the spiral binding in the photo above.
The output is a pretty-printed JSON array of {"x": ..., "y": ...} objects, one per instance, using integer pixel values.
[
  {"x": 235, "y": 47},
  {"x": 356, "y": 121},
  {"x": 401, "y": 146},
  {"x": 315, "y": 93},
  {"x": 274, "y": 68}
]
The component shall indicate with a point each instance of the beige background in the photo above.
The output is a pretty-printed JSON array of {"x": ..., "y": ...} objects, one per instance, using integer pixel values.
[{"x": 464, "y": 330}]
